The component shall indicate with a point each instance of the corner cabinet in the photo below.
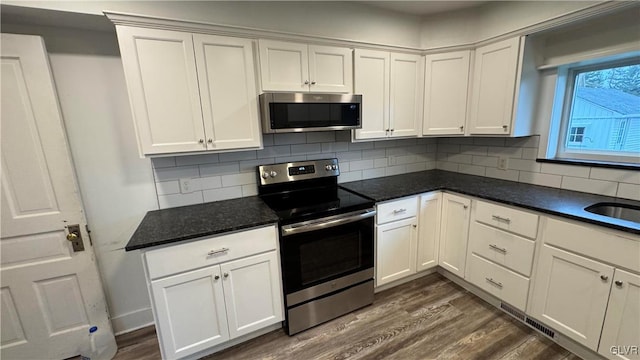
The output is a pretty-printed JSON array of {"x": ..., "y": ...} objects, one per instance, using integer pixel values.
[
  {"x": 207, "y": 292},
  {"x": 288, "y": 66},
  {"x": 190, "y": 92},
  {"x": 391, "y": 86}
]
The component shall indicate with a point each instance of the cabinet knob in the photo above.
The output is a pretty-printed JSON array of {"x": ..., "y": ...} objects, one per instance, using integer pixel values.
[
  {"x": 414, "y": 226},
  {"x": 201, "y": 141},
  {"x": 391, "y": 130},
  {"x": 465, "y": 206},
  {"x": 210, "y": 141},
  {"x": 313, "y": 83},
  {"x": 217, "y": 277},
  {"x": 306, "y": 82},
  {"x": 504, "y": 127},
  {"x": 462, "y": 128},
  {"x": 619, "y": 283},
  {"x": 604, "y": 277},
  {"x": 226, "y": 275}
]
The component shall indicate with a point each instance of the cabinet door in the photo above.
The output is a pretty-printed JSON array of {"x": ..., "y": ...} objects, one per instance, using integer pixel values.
[
  {"x": 228, "y": 92},
  {"x": 372, "y": 82},
  {"x": 190, "y": 312},
  {"x": 429, "y": 230},
  {"x": 284, "y": 66},
  {"x": 252, "y": 292},
  {"x": 494, "y": 86},
  {"x": 330, "y": 69},
  {"x": 445, "y": 93},
  {"x": 405, "y": 110},
  {"x": 622, "y": 322},
  {"x": 570, "y": 294},
  {"x": 396, "y": 250},
  {"x": 160, "y": 70},
  {"x": 454, "y": 233}
]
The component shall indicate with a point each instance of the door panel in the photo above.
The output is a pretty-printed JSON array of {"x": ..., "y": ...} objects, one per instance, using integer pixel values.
[
  {"x": 622, "y": 322},
  {"x": 429, "y": 230},
  {"x": 372, "y": 70},
  {"x": 396, "y": 250},
  {"x": 405, "y": 111},
  {"x": 454, "y": 233},
  {"x": 284, "y": 66},
  {"x": 330, "y": 69}
]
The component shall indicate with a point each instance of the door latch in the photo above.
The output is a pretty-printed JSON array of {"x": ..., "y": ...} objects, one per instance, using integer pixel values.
[{"x": 75, "y": 236}]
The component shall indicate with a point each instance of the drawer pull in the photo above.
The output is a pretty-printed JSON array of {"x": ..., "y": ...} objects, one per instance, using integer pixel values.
[
  {"x": 496, "y": 283},
  {"x": 604, "y": 277},
  {"x": 618, "y": 283},
  {"x": 497, "y": 248},
  {"x": 220, "y": 251},
  {"x": 501, "y": 219},
  {"x": 399, "y": 211},
  {"x": 217, "y": 277}
]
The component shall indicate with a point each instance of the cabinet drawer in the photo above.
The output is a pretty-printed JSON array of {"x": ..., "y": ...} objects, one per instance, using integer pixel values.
[
  {"x": 199, "y": 253},
  {"x": 501, "y": 247},
  {"x": 397, "y": 209},
  {"x": 505, "y": 218},
  {"x": 498, "y": 281}
]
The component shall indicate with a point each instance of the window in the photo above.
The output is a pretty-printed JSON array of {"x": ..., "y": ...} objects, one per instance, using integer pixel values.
[{"x": 600, "y": 112}]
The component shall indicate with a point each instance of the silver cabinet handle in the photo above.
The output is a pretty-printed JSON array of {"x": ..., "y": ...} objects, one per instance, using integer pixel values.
[
  {"x": 501, "y": 219},
  {"x": 497, "y": 248},
  {"x": 505, "y": 127},
  {"x": 201, "y": 141},
  {"x": 313, "y": 83},
  {"x": 496, "y": 283},
  {"x": 213, "y": 252},
  {"x": 399, "y": 211},
  {"x": 226, "y": 275},
  {"x": 306, "y": 82},
  {"x": 604, "y": 277},
  {"x": 217, "y": 277},
  {"x": 210, "y": 141},
  {"x": 619, "y": 283}
]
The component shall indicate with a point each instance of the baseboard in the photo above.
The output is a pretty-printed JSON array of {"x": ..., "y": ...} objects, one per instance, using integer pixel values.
[{"x": 131, "y": 321}]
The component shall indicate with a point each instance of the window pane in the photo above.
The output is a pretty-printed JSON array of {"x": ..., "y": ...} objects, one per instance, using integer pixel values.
[{"x": 605, "y": 111}]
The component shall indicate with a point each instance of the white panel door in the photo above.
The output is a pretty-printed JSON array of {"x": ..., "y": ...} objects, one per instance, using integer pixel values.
[
  {"x": 330, "y": 69},
  {"x": 228, "y": 92},
  {"x": 160, "y": 70},
  {"x": 570, "y": 294},
  {"x": 190, "y": 312},
  {"x": 252, "y": 293},
  {"x": 284, "y": 66},
  {"x": 494, "y": 87},
  {"x": 396, "y": 250},
  {"x": 429, "y": 230},
  {"x": 445, "y": 93},
  {"x": 622, "y": 322},
  {"x": 454, "y": 233},
  {"x": 372, "y": 71},
  {"x": 405, "y": 102},
  {"x": 50, "y": 295}
]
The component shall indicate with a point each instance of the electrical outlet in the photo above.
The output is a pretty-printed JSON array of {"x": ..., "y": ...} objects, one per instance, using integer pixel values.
[
  {"x": 186, "y": 186},
  {"x": 503, "y": 163}
]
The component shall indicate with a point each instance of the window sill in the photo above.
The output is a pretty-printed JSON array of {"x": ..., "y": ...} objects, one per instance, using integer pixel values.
[{"x": 602, "y": 164}]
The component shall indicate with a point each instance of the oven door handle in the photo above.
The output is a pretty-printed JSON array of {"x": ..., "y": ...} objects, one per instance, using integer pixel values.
[{"x": 332, "y": 221}]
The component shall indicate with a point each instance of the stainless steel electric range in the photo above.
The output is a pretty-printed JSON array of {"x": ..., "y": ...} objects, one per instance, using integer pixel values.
[{"x": 326, "y": 241}]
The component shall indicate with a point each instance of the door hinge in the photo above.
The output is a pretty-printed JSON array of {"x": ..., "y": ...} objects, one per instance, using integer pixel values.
[{"x": 89, "y": 234}]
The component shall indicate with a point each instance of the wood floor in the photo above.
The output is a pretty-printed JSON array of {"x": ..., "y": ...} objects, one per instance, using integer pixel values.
[{"x": 428, "y": 318}]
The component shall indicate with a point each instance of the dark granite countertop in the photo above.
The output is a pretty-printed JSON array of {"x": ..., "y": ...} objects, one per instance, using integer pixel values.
[
  {"x": 189, "y": 222},
  {"x": 564, "y": 203}
]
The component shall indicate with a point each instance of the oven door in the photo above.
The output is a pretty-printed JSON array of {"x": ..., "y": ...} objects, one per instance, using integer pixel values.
[{"x": 324, "y": 255}]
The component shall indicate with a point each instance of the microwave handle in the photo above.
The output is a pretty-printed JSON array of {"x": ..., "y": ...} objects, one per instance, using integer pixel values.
[{"x": 329, "y": 222}]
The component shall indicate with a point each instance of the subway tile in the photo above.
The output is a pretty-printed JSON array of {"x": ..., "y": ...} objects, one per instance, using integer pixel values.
[
  {"x": 175, "y": 173},
  {"x": 250, "y": 165},
  {"x": 396, "y": 151},
  {"x": 444, "y": 165},
  {"x": 431, "y": 165},
  {"x": 372, "y": 173},
  {"x": 524, "y": 142},
  {"x": 427, "y": 157},
  {"x": 304, "y": 149},
  {"x": 335, "y": 147},
  {"x": 524, "y": 165},
  {"x": 350, "y": 176},
  {"x": 629, "y": 191},
  {"x": 250, "y": 190},
  {"x": 361, "y": 146},
  {"x": 442, "y": 156},
  {"x": 372, "y": 154},
  {"x": 456, "y": 140},
  {"x": 267, "y": 139},
  {"x": 210, "y": 182},
  {"x": 417, "y": 149},
  {"x": 396, "y": 170},
  {"x": 448, "y": 148},
  {"x": 344, "y": 166},
  {"x": 511, "y": 152},
  {"x": 380, "y": 163},
  {"x": 473, "y": 150},
  {"x": 460, "y": 158},
  {"x": 406, "y": 142},
  {"x": 565, "y": 170},
  {"x": 502, "y": 174},
  {"x": 168, "y": 187},
  {"x": 625, "y": 176},
  {"x": 490, "y": 161},
  {"x": 487, "y": 141},
  {"x": 349, "y": 155},
  {"x": 472, "y": 169},
  {"x": 222, "y": 193},
  {"x": 292, "y": 158},
  {"x": 530, "y": 153},
  {"x": 219, "y": 169},
  {"x": 361, "y": 164},
  {"x": 197, "y": 159},
  {"x": 289, "y": 139},
  {"x": 421, "y": 166},
  {"x": 406, "y": 159},
  {"x": 238, "y": 179},
  {"x": 541, "y": 179},
  {"x": 432, "y": 148},
  {"x": 383, "y": 144},
  {"x": 321, "y": 156},
  {"x": 320, "y": 137},
  {"x": 274, "y": 151},
  {"x": 237, "y": 156},
  {"x": 174, "y": 200},
  {"x": 163, "y": 162},
  {"x": 601, "y": 187},
  {"x": 343, "y": 135}
]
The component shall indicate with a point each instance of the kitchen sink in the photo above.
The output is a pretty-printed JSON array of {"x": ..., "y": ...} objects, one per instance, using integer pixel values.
[{"x": 617, "y": 211}]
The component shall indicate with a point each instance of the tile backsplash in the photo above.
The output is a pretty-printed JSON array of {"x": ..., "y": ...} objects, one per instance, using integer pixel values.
[{"x": 230, "y": 175}]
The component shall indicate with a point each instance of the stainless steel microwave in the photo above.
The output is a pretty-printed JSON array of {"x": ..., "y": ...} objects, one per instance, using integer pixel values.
[{"x": 301, "y": 112}]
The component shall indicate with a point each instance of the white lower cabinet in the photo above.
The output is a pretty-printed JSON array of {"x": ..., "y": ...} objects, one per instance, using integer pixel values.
[
  {"x": 429, "y": 230},
  {"x": 238, "y": 291},
  {"x": 621, "y": 328},
  {"x": 396, "y": 250},
  {"x": 454, "y": 233}
]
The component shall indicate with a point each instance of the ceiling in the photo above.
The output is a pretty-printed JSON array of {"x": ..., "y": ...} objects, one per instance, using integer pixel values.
[{"x": 424, "y": 7}]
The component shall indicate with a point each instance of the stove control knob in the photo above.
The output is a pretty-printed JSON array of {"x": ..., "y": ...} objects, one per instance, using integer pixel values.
[
  {"x": 334, "y": 167},
  {"x": 273, "y": 174},
  {"x": 265, "y": 175},
  {"x": 327, "y": 167}
]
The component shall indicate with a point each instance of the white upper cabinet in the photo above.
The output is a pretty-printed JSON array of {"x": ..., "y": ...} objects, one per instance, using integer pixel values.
[
  {"x": 503, "y": 89},
  {"x": 287, "y": 66},
  {"x": 190, "y": 92},
  {"x": 391, "y": 89},
  {"x": 445, "y": 93}
]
